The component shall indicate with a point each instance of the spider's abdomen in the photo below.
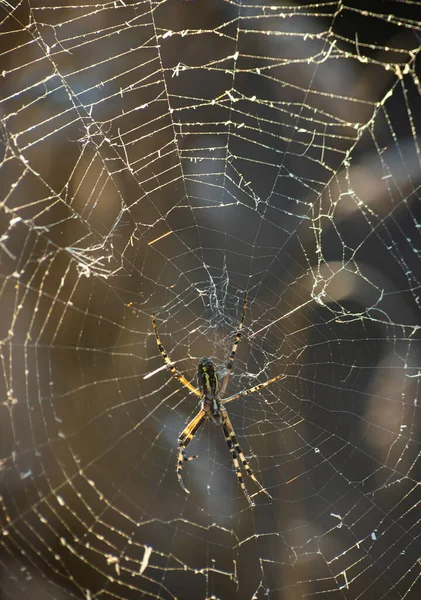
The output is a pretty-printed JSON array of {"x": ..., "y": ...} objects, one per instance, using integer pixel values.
[
  {"x": 207, "y": 378},
  {"x": 209, "y": 386}
]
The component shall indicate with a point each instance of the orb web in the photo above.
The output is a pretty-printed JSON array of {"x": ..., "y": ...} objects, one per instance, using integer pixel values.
[{"x": 166, "y": 157}]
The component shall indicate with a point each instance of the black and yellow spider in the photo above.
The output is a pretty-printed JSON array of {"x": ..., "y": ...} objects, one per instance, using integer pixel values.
[{"x": 212, "y": 408}]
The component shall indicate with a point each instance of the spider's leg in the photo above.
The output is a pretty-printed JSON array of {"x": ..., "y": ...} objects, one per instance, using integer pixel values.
[
  {"x": 233, "y": 443},
  {"x": 234, "y": 348},
  {"x": 170, "y": 364},
  {"x": 184, "y": 440},
  {"x": 234, "y": 457},
  {"x": 256, "y": 388}
]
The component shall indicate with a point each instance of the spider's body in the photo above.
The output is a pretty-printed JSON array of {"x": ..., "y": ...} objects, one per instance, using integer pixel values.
[
  {"x": 212, "y": 407},
  {"x": 209, "y": 386}
]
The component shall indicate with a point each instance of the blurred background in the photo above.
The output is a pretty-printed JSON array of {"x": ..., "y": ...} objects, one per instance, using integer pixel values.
[{"x": 165, "y": 157}]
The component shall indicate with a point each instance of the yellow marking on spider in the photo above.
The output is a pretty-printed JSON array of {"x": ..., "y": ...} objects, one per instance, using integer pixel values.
[{"x": 207, "y": 385}]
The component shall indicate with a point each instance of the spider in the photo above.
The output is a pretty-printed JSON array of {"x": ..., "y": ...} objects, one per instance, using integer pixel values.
[{"x": 212, "y": 407}]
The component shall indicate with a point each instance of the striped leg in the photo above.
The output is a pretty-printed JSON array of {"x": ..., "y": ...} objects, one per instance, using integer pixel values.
[
  {"x": 170, "y": 364},
  {"x": 256, "y": 388},
  {"x": 184, "y": 440},
  {"x": 234, "y": 348},
  {"x": 234, "y": 458},
  {"x": 236, "y": 451}
]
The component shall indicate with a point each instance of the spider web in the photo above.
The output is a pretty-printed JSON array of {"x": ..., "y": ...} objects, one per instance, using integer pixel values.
[{"x": 166, "y": 157}]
